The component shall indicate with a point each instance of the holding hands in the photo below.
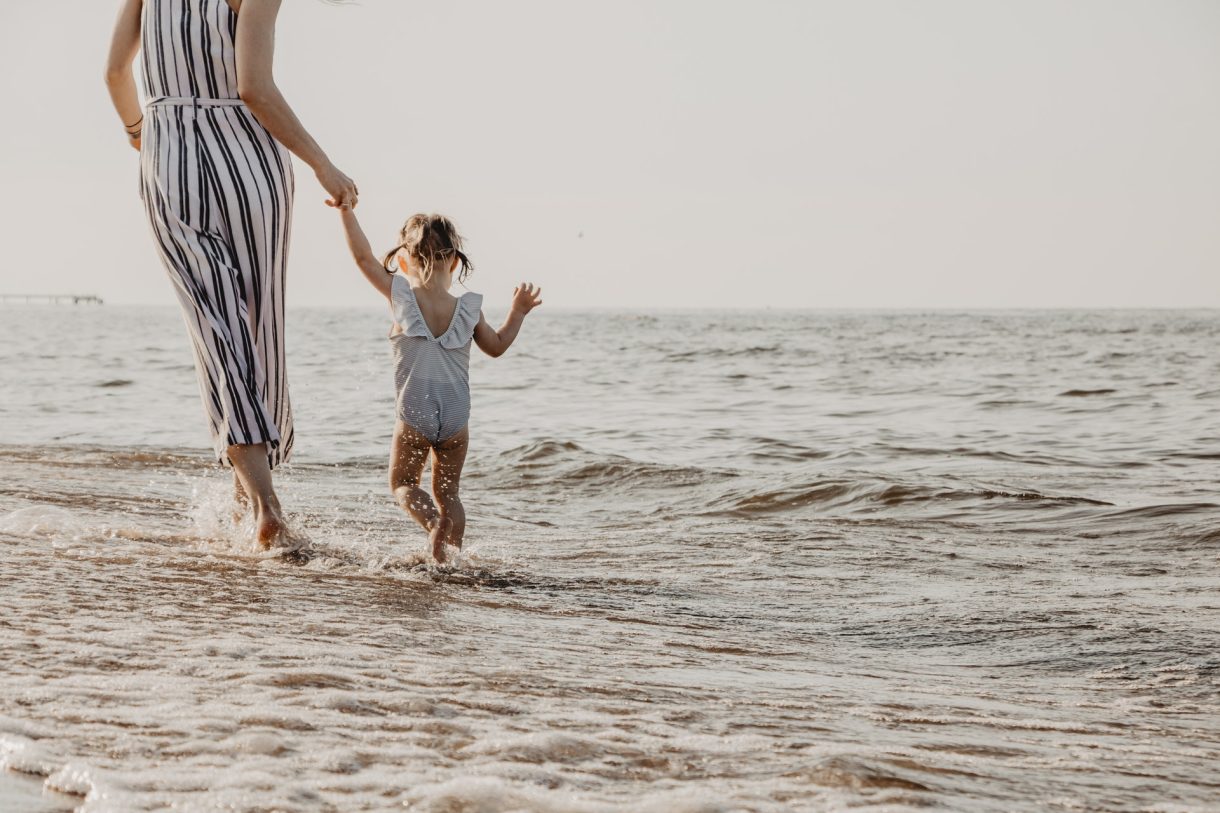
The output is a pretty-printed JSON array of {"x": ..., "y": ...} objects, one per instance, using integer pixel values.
[
  {"x": 526, "y": 297},
  {"x": 342, "y": 189}
]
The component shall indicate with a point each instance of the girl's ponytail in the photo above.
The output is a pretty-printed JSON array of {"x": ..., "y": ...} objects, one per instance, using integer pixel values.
[
  {"x": 388, "y": 262},
  {"x": 430, "y": 239}
]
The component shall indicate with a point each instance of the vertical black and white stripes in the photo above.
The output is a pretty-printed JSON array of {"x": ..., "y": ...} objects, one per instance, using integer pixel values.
[{"x": 218, "y": 192}]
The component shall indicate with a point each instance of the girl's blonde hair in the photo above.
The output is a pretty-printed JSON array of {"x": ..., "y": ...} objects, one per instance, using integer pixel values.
[{"x": 430, "y": 239}]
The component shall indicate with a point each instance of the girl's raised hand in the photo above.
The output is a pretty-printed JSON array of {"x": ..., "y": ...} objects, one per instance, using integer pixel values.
[
  {"x": 526, "y": 297},
  {"x": 495, "y": 342}
]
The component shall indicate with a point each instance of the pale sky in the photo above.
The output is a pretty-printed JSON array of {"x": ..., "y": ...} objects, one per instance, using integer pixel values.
[{"x": 797, "y": 153}]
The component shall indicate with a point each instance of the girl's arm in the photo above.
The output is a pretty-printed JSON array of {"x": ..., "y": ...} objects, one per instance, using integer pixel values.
[
  {"x": 495, "y": 342},
  {"x": 124, "y": 45},
  {"x": 362, "y": 252},
  {"x": 256, "y": 85}
]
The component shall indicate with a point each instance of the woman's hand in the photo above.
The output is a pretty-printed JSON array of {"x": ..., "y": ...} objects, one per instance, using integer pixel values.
[
  {"x": 525, "y": 298},
  {"x": 342, "y": 189},
  {"x": 134, "y": 140}
]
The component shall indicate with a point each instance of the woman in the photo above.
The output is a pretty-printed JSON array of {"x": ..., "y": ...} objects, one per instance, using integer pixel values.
[{"x": 216, "y": 180}]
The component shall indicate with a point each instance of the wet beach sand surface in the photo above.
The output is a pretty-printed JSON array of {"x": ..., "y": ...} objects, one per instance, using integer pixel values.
[{"x": 761, "y": 561}]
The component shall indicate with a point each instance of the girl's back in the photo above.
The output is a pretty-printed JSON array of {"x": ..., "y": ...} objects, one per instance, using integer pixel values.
[{"x": 431, "y": 372}]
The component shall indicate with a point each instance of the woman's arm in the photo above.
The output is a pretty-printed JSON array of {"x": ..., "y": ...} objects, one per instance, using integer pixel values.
[
  {"x": 362, "y": 252},
  {"x": 124, "y": 45},
  {"x": 256, "y": 84},
  {"x": 495, "y": 342}
]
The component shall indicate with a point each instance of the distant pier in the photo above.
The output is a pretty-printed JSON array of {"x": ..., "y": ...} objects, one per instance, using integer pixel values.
[{"x": 53, "y": 299}]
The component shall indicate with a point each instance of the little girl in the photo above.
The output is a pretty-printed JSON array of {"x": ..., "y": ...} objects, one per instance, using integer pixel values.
[{"x": 431, "y": 341}]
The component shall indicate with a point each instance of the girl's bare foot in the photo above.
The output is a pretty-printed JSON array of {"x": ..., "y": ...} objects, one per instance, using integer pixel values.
[{"x": 438, "y": 537}]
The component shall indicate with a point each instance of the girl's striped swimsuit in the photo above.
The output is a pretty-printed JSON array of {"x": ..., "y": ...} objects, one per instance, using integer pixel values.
[{"x": 432, "y": 373}]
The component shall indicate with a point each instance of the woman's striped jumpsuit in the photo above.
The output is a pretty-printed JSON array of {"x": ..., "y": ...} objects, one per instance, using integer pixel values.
[{"x": 218, "y": 192}]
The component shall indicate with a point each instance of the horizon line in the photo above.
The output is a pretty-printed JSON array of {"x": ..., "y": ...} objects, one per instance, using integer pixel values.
[{"x": 96, "y": 302}]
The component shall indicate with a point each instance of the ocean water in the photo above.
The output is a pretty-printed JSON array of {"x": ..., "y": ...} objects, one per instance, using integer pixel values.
[{"x": 764, "y": 561}]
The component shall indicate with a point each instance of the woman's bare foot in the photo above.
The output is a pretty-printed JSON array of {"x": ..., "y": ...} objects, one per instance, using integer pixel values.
[
  {"x": 271, "y": 529},
  {"x": 438, "y": 537},
  {"x": 252, "y": 471}
]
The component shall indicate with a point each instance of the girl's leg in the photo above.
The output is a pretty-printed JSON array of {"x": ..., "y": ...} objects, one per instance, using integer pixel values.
[
  {"x": 447, "y": 461},
  {"x": 254, "y": 475},
  {"x": 408, "y": 454}
]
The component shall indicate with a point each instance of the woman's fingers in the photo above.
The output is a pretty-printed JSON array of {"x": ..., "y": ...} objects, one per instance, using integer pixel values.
[
  {"x": 342, "y": 189},
  {"x": 346, "y": 198}
]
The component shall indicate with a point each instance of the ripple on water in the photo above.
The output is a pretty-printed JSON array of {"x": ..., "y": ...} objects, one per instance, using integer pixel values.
[{"x": 902, "y": 561}]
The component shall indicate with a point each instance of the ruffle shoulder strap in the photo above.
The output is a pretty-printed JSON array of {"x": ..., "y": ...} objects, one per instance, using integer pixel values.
[
  {"x": 404, "y": 309},
  {"x": 469, "y": 307}
]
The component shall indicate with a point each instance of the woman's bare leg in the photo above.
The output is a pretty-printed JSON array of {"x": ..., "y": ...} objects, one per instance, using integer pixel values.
[
  {"x": 241, "y": 500},
  {"x": 408, "y": 453},
  {"x": 254, "y": 476},
  {"x": 447, "y": 461}
]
